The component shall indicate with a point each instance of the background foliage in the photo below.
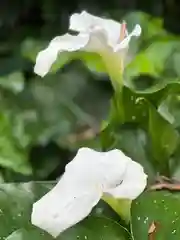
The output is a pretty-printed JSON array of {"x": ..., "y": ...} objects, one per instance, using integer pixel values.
[{"x": 44, "y": 121}]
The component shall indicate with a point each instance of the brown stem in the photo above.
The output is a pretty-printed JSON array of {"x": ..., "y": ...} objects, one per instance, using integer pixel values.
[
  {"x": 166, "y": 183},
  {"x": 168, "y": 186}
]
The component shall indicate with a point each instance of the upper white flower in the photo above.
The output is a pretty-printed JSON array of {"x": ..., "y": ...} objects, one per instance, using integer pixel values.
[
  {"x": 87, "y": 177},
  {"x": 95, "y": 34}
]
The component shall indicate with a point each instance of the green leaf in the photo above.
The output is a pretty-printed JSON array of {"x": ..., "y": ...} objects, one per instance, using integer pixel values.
[
  {"x": 162, "y": 208},
  {"x": 164, "y": 137},
  {"x": 141, "y": 132},
  {"x": 31, "y": 47},
  {"x": 134, "y": 142},
  {"x": 92, "y": 228}
]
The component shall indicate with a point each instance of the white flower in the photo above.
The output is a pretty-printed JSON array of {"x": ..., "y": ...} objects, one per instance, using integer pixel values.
[
  {"x": 87, "y": 177},
  {"x": 106, "y": 37}
]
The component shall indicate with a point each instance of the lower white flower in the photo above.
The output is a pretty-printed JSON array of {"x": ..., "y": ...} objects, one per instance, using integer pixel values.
[
  {"x": 106, "y": 37},
  {"x": 87, "y": 177}
]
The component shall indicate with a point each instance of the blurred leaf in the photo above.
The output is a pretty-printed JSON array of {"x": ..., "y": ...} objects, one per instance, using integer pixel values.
[
  {"x": 66, "y": 104},
  {"x": 1, "y": 178},
  {"x": 164, "y": 110},
  {"x": 47, "y": 159},
  {"x": 12, "y": 65},
  {"x": 56, "y": 109},
  {"x": 151, "y": 26},
  {"x": 147, "y": 63},
  {"x": 161, "y": 208},
  {"x": 11, "y": 154},
  {"x": 170, "y": 109},
  {"x": 13, "y": 82},
  {"x": 19, "y": 132},
  {"x": 31, "y": 47},
  {"x": 54, "y": 101},
  {"x": 176, "y": 60},
  {"x": 175, "y": 165}
]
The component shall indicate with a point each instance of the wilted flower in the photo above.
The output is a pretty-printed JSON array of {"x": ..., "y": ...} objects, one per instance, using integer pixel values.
[
  {"x": 88, "y": 177},
  {"x": 106, "y": 37}
]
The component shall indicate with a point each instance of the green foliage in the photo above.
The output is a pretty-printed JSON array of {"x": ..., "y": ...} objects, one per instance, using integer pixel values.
[{"x": 66, "y": 108}]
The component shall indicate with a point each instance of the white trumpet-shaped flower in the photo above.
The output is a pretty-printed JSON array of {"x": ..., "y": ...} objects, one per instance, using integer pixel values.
[
  {"x": 87, "y": 177},
  {"x": 106, "y": 37}
]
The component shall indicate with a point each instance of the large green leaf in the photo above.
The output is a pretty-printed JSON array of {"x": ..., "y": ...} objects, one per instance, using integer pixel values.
[
  {"x": 137, "y": 127},
  {"x": 92, "y": 228},
  {"x": 15, "y": 209},
  {"x": 160, "y": 208}
]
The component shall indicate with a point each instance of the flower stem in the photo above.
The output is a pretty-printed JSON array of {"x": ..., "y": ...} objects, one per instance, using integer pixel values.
[{"x": 114, "y": 66}]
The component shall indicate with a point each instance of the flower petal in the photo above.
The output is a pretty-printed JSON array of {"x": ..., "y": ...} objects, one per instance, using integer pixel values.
[
  {"x": 136, "y": 32},
  {"x": 103, "y": 168},
  {"x": 85, "y": 22},
  {"x": 97, "y": 42},
  {"x": 65, "y": 205},
  {"x": 133, "y": 184},
  {"x": 48, "y": 56}
]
